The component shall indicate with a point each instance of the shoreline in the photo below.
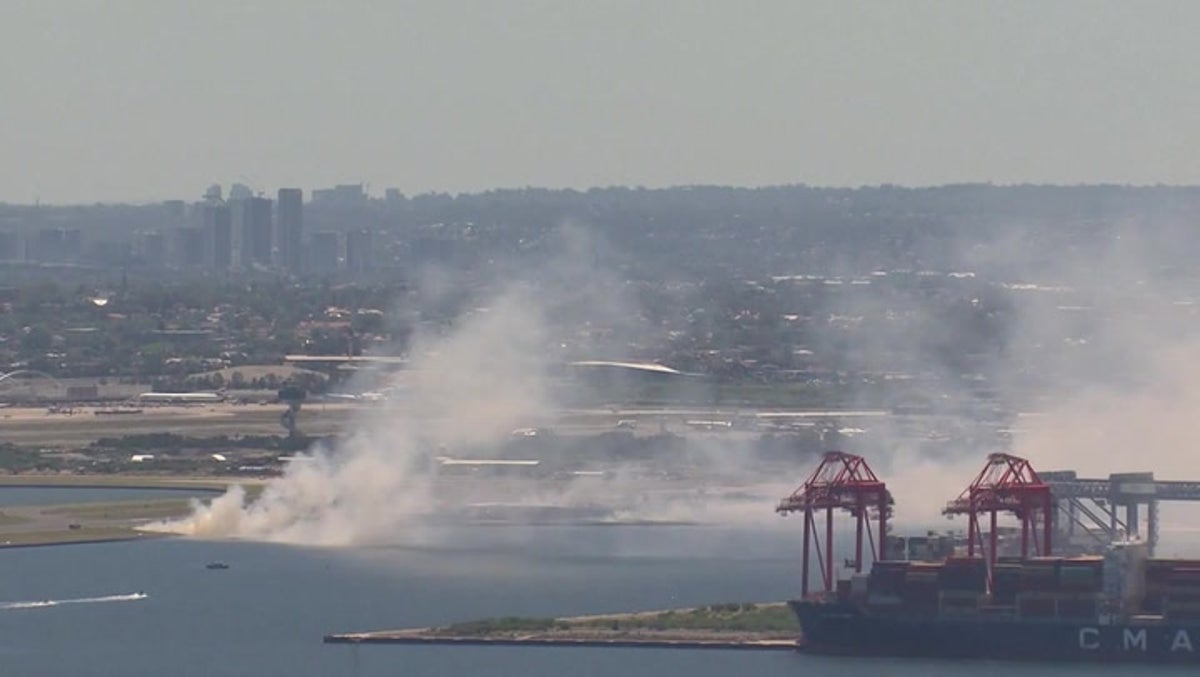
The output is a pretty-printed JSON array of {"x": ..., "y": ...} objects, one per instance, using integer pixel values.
[
  {"x": 582, "y": 642},
  {"x": 102, "y": 486},
  {"x": 139, "y": 536},
  {"x": 126, "y": 481},
  {"x": 103, "y": 521},
  {"x": 753, "y": 626}
]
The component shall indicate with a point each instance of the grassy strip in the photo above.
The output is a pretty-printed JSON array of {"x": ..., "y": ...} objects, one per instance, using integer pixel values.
[
  {"x": 765, "y": 619},
  {"x": 123, "y": 481},
  {"x": 504, "y": 626},
  {"x": 715, "y": 618},
  {"x": 65, "y": 536},
  {"x": 125, "y": 510},
  {"x": 252, "y": 487},
  {"x": 6, "y": 519}
]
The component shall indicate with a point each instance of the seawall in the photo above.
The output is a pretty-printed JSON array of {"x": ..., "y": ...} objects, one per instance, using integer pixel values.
[{"x": 429, "y": 637}]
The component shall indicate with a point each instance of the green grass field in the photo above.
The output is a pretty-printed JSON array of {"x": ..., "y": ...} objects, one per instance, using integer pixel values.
[
  {"x": 131, "y": 510},
  {"x": 7, "y": 519},
  {"x": 66, "y": 536},
  {"x": 125, "y": 481},
  {"x": 759, "y": 619}
]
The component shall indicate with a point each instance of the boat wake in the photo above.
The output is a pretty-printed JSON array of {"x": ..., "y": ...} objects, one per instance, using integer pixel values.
[{"x": 42, "y": 604}]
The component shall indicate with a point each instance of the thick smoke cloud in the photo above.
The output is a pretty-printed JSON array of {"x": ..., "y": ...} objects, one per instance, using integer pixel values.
[
  {"x": 468, "y": 387},
  {"x": 1083, "y": 348},
  {"x": 1092, "y": 361},
  {"x": 469, "y": 384}
]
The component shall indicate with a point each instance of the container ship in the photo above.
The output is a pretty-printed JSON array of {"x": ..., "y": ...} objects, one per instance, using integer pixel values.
[
  {"x": 1120, "y": 607},
  {"x": 1117, "y": 604}
]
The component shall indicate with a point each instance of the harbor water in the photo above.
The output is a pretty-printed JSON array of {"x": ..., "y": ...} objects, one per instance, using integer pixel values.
[{"x": 74, "y": 610}]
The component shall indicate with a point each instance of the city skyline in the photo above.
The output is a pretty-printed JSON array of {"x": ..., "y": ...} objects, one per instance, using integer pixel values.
[{"x": 139, "y": 102}]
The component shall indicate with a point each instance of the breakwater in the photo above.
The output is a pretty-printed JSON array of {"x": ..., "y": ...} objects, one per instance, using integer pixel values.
[{"x": 432, "y": 637}]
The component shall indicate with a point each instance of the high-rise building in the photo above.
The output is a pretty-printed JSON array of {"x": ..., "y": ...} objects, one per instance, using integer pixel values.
[
  {"x": 176, "y": 209},
  {"x": 217, "y": 227},
  {"x": 326, "y": 252},
  {"x": 240, "y": 191},
  {"x": 359, "y": 256},
  {"x": 252, "y": 228},
  {"x": 57, "y": 245},
  {"x": 291, "y": 229},
  {"x": 10, "y": 246},
  {"x": 150, "y": 247},
  {"x": 342, "y": 195},
  {"x": 188, "y": 246}
]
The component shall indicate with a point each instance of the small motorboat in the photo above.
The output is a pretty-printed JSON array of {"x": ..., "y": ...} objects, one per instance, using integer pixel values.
[{"x": 216, "y": 565}]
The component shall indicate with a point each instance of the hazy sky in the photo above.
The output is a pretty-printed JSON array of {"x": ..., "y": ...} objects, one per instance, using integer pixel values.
[{"x": 124, "y": 100}]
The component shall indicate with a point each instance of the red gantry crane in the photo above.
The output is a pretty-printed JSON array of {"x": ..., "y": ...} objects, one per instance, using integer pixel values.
[
  {"x": 844, "y": 482},
  {"x": 1006, "y": 484}
]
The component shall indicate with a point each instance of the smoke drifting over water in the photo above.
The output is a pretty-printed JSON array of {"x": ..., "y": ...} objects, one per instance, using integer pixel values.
[
  {"x": 465, "y": 389},
  {"x": 1089, "y": 353},
  {"x": 471, "y": 386},
  {"x": 1088, "y": 349}
]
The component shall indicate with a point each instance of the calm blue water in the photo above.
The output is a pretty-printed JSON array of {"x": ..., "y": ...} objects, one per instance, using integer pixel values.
[
  {"x": 14, "y": 496},
  {"x": 267, "y": 613}
]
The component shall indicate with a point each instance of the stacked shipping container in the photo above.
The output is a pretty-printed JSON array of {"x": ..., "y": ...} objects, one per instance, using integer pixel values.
[
  {"x": 1172, "y": 588},
  {"x": 885, "y": 584},
  {"x": 1043, "y": 587},
  {"x": 1054, "y": 587},
  {"x": 963, "y": 586},
  {"x": 920, "y": 593}
]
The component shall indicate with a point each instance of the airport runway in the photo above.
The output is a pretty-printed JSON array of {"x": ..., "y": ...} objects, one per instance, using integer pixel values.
[{"x": 80, "y": 426}]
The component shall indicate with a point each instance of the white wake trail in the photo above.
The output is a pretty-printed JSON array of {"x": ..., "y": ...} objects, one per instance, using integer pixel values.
[{"x": 42, "y": 604}]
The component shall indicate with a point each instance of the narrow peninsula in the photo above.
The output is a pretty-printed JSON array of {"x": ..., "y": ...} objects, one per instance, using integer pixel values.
[{"x": 758, "y": 626}]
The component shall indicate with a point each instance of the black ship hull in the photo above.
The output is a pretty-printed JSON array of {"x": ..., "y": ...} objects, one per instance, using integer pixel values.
[{"x": 845, "y": 629}]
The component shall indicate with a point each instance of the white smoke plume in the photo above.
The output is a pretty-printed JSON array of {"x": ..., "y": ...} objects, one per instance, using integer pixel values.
[
  {"x": 1096, "y": 352},
  {"x": 482, "y": 379},
  {"x": 1097, "y": 366},
  {"x": 468, "y": 385}
]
